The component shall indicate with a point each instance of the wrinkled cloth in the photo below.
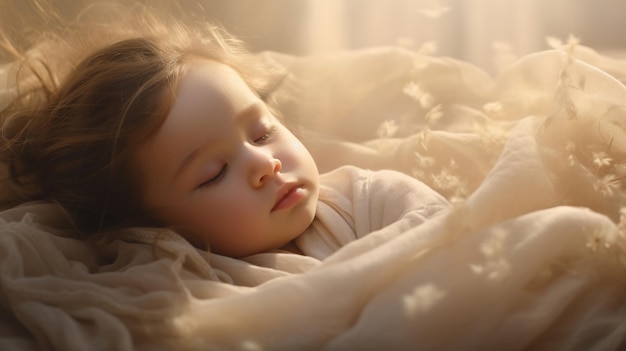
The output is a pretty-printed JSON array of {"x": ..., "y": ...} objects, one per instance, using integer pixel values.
[
  {"x": 529, "y": 255},
  {"x": 354, "y": 203}
]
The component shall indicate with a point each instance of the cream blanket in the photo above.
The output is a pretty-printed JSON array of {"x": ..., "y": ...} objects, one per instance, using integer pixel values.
[{"x": 530, "y": 256}]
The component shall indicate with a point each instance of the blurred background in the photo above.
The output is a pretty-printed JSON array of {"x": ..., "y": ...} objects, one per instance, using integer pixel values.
[{"x": 479, "y": 31}]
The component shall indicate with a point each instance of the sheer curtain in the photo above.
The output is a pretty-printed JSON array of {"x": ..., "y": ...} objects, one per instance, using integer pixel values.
[{"x": 473, "y": 30}]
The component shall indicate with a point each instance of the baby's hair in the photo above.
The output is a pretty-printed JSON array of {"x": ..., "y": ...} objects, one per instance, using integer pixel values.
[{"x": 90, "y": 93}]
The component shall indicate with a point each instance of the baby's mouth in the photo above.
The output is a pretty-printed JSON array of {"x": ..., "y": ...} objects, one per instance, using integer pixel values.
[{"x": 287, "y": 196}]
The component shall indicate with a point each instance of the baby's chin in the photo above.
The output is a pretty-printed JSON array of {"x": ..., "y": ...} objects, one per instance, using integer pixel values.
[
  {"x": 289, "y": 243},
  {"x": 276, "y": 239},
  {"x": 291, "y": 247}
]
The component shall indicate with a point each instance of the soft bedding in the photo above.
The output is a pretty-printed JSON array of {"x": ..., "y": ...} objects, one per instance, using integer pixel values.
[{"x": 530, "y": 256}]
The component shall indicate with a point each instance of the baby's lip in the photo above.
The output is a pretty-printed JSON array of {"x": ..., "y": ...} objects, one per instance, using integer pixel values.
[{"x": 284, "y": 190}]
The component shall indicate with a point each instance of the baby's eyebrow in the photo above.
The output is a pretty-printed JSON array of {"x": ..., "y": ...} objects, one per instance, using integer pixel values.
[{"x": 254, "y": 109}]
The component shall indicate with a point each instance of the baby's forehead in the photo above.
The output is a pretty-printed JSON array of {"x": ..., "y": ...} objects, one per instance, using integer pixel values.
[
  {"x": 210, "y": 96},
  {"x": 211, "y": 75},
  {"x": 212, "y": 86}
]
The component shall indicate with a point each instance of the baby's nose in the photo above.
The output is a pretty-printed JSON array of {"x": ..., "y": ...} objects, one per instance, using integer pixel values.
[{"x": 265, "y": 170}]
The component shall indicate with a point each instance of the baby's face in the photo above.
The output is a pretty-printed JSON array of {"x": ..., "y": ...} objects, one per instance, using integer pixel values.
[{"x": 223, "y": 167}]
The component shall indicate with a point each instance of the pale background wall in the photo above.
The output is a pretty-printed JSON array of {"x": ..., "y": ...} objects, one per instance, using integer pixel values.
[{"x": 465, "y": 29}]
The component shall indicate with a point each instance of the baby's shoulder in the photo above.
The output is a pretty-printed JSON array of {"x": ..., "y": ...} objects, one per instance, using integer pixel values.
[{"x": 350, "y": 176}]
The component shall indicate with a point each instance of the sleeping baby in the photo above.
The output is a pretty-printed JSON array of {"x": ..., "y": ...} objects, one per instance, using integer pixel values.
[{"x": 167, "y": 125}]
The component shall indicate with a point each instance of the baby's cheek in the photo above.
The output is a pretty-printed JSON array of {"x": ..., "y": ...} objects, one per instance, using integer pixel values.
[
  {"x": 235, "y": 211},
  {"x": 297, "y": 146}
]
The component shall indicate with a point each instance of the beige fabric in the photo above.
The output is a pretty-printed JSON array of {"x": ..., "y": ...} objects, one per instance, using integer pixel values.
[
  {"x": 356, "y": 202},
  {"x": 530, "y": 256}
]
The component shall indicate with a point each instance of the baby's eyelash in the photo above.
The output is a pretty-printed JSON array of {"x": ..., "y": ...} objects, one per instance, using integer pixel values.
[
  {"x": 216, "y": 178},
  {"x": 265, "y": 137}
]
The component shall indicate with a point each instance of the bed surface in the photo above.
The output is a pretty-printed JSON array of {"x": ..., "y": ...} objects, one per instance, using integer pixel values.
[{"x": 530, "y": 256}]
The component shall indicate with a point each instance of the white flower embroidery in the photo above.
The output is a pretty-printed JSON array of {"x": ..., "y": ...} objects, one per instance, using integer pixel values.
[{"x": 422, "y": 299}]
